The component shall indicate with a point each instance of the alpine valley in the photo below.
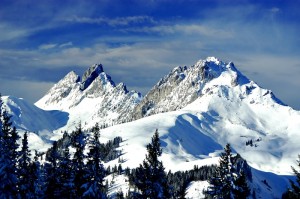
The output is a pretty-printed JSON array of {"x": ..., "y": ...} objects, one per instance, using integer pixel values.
[{"x": 197, "y": 110}]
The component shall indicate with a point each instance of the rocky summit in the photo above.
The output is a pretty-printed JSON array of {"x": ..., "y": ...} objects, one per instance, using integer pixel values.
[{"x": 94, "y": 99}]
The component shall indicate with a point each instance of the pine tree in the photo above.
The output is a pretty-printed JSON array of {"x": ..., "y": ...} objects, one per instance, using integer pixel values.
[
  {"x": 78, "y": 166},
  {"x": 294, "y": 191},
  {"x": 119, "y": 195},
  {"x": 227, "y": 182},
  {"x": 37, "y": 174},
  {"x": 52, "y": 172},
  {"x": 241, "y": 191},
  {"x": 8, "y": 156},
  {"x": 25, "y": 181},
  {"x": 151, "y": 178},
  {"x": 66, "y": 175},
  {"x": 222, "y": 182},
  {"x": 95, "y": 172}
]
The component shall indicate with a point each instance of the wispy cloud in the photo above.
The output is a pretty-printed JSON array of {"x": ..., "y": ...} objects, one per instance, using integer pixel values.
[
  {"x": 188, "y": 29},
  {"x": 118, "y": 21},
  {"x": 67, "y": 44},
  {"x": 47, "y": 46},
  {"x": 274, "y": 10},
  {"x": 9, "y": 32},
  {"x": 51, "y": 46}
]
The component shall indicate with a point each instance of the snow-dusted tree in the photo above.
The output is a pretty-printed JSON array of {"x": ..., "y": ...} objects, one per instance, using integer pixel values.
[
  {"x": 8, "y": 156},
  {"x": 37, "y": 174},
  {"x": 51, "y": 167},
  {"x": 66, "y": 175},
  {"x": 294, "y": 191},
  {"x": 151, "y": 178},
  {"x": 227, "y": 182},
  {"x": 221, "y": 184},
  {"x": 120, "y": 195},
  {"x": 25, "y": 181},
  {"x": 78, "y": 166},
  {"x": 241, "y": 189},
  {"x": 95, "y": 172}
]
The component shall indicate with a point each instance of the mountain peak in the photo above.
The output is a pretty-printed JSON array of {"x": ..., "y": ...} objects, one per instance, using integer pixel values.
[
  {"x": 72, "y": 77},
  {"x": 90, "y": 75},
  {"x": 213, "y": 59},
  {"x": 183, "y": 85}
]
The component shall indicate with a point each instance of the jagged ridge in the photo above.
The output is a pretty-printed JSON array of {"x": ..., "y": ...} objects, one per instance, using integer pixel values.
[
  {"x": 115, "y": 104},
  {"x": 184, "y": 85},
  {"x": 94, "y": 99}
]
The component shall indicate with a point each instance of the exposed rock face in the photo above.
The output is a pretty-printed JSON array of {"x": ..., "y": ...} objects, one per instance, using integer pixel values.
[
  {"x": 90, "y": 75},
  {"x": 60, "y": 90},
  {"x": 94, "y": 99},
  {"x": 183, "y": 85}
]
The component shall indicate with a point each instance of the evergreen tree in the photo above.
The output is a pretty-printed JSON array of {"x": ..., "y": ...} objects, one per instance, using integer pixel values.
[
  {"x": 227, "y": 182},
  {"x": 25, "y": 181},
  {"x": 37, "y": 174},
  {"x": 222, "y": 182},
  {"x": 119, "y": 195},
  {"x": 241, "y": 191},
  {"x": 52, "y": 172},
  {"x": 151, "y": 178},
  {"x": 8, "y": 156},
  {"x": 66, "y": 175},
  {"x": 95, "y": 172},
  {"x": 78, "y": 166},
  {"x": 294, "y": 191}
]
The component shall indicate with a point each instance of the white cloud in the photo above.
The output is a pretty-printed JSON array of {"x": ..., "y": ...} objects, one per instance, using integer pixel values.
[
  {"x": 29, "y": 90},
  {"x": 187, "y": 29},
  {"x": 50, "y": 46},
  {"x": 47, "y": 46},
  {"x": 274, "y": 10},
  {"x": 67, "y": 44},
  {"x": 118, "y": 21},
  {"x": 8, "y": 33}
]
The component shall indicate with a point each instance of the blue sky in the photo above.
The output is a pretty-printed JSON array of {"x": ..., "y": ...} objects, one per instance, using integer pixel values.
[{"x": 140, "y": 41}]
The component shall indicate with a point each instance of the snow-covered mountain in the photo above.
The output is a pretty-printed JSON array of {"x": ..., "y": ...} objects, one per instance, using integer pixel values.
[
  {"x": 26, "y": 116},
  {"x": 95, "y": 98},
  {"x": 183, "y": 85},
  {"x": 196, "y": 109}
]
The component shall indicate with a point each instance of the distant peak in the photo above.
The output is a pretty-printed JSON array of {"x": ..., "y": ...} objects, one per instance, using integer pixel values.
[
  {"x": 95, "y": 69},
  {"x": 71, "y": 77},
  {"x": 90, "y": 75},
  {"x": 123, "y": 87},
  {"x": 213, "y": 59}
]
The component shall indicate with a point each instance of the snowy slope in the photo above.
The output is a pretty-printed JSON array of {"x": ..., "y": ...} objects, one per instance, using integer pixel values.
[
  {"x": 26, "y": 116},
  {"x": 189, "y": 141},
  {"x": 38, "y": 122},
  {"x": 94, "y": 99}
]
